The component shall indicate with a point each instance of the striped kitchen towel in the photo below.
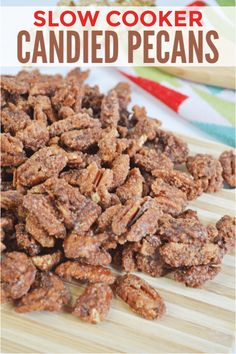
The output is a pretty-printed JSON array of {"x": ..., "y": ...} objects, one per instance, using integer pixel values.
[{"x": 211, "y": 109}]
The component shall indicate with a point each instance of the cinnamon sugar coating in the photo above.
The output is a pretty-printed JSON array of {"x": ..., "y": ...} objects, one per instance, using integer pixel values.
[{"x": 88, "y": 183}]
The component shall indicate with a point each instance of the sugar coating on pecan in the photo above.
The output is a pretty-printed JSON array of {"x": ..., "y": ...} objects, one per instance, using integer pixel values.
[
  {"x": 196, "y": 276},
  {"x": 123, "y": 92},
  {"x": 10, "y": 199},
  {"x": 49, "y": 293},
  {"x": 76, "y": 211},
  {"x": 153, "y": 265},
  {"x": 133, "y": 186},
  {"x": 92, "y": 99},
  {"x": 81, "y": 139},
  {"x": 171, "y": 199},
  {"x": 96, "y": 183},
  {"x": 136, "y": 219},
  {"x": 145, "y": 128},
  {"x": 45, "y": 163},
  {"x": 26, "y": 242},
  {"x": 47, "y": 262},
  {"x": 91, "y": 273},
  {"x": 228, "y": 162},
  {"x": 150, "y": 159},
  {"x": 12, "y": 153},
  {"x": 140, "y": 296},
  {"x": 172, "y": 146},
  {"x": 34, "y": 136},
  {"x": 120, "y": 168},
  {"x": 182, "y": 230},
  {"x": 42, "y": 215},
  {"x": 76, "y": 121},
  {"x": 17, "y": 274},
  {"x": 14, "y": 119},
  {"x": 206, "y": 169},
  {"x": 110, "y": 110},
  {"x": 94, "y": 303},
  {"x": 6, "y": 228},
  {"x": 185, "y": 255},
  {"x": 87, "y": 247},
  {"x": 226, "y": 227},
  {"x": 181, "y": 181}
]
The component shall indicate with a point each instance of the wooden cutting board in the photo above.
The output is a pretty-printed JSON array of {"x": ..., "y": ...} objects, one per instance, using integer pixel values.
[
  {"x": 216, "y": 76},
  {"x": 197, "y": 320}
]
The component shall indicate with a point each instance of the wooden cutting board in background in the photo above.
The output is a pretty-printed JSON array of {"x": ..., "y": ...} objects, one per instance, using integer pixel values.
[
  {"x": 197, "y": 320},
  {"x": 217, "y": 76}
]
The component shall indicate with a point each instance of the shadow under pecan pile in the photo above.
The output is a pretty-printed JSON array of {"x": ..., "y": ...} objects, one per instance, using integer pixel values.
[{"x": 87, "y": 183}]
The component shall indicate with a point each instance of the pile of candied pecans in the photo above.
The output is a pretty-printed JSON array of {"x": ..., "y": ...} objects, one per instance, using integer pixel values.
[{"x": 87, "y": 184}]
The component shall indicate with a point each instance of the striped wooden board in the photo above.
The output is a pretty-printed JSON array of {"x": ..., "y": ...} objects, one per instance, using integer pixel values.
[{"x": 197, "y": 320}]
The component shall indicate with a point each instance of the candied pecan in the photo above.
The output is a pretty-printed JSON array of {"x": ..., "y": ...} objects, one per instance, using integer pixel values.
[
  {"x": 45, "y": 163},
  {"x": 17, "y": 274},
  {"x": 172, "y": 146},
  {"x": 14, "y": 119},
  {"x": 4, "y": 97},
  {"x": 81, "y": 139},
  {"x": 94, "y": 303},
  {"x": 92, "y": 99},
  {"x": 133, "y": 187},
  {"x": 152, "y": 265},
  {"x": 188, "y": 214},
  {"x": 128, "y": 257},
  {"x": 48, "y": 294},
  {"x": 140, "y": 296},
  {"x": 77, "y": 75},
  {"x": 206, "y": 169},
  {"x": 10, "y": 199},
  {"x": 196, "y": 276},
  {"x": 110, "y": 147},
  {"x": 26, "y": 242},
  {"x": 12, "y": 153},
  {"x": 34, "y": 228},
  {"x": 83, "y": 246},
  {"x": 181, "y": 181},
  {"x": 12, "y": 84},
  {"x": 110, "y": 110},
  {"x": 145, "y": 128},
  {"x": 123, "y": 92},
  {"x": 182, "y": 230},
  {"x": 171, "y": 199},
  {"x": 68, "y": 95},
  {"x": 6, "y": 226},
  {"x": 96, "y": 183},
  {"x": 212, "y": 233},
  {"x": 150, "y": 245},
  {"x": 180, "y": 254},
  {"x": 46, "y": 85},
  {"x": 149, "y": 159},
  {"x": 72, "y": 177},
  {"x": 34, "y": 136},
  {"x": 90, "y": 273},
  {"x": 47, "y": 261},
  {"x": 43, "y": 211},
  {"x": 76, "y": 211},
  {"x": 226, "y": 227},
  {"x": 120, "y": 168},
  {"x": 76, "y": 121},
  {"x": 136, "y": 219},
  {"x": 105, "y": 219},
  {"x": 227, "y": 160},
  {"x": 42, "y": 109}
]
